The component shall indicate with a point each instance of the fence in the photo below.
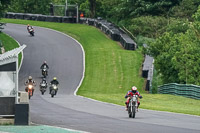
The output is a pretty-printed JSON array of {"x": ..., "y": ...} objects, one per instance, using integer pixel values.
[{"x": 191, "y": 91}]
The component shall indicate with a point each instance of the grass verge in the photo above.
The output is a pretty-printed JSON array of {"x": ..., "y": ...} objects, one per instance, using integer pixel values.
[
  {"x": 9, "y": 43},
  {"x": 111, "y": 70}
]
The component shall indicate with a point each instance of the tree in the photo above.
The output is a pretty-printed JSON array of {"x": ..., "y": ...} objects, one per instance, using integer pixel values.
[
  {"x": 30, "y": 6},
  {"x": 185, "y": 9},
  {"x": 92, "y": 5},
  {"x": 3, "y": 6},
  {"x": 177, "y": 56}
]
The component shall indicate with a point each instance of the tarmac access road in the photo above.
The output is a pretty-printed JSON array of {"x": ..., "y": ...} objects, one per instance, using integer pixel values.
[{"x": 66, "y": 60}]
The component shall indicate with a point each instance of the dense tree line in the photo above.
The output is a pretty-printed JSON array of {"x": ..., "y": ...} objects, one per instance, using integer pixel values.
[
  {"x": 177, "y": 55},
  {"x": 3, "y": 6}
]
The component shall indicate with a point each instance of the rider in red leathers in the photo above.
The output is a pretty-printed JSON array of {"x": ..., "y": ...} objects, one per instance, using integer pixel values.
[{"x": 131, "y": 93}]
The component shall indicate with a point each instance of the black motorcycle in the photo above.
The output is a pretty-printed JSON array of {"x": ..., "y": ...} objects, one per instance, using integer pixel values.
[
  {"x": 31, "y": 31},
  {"x": 53, "y": 90},
  {"x": 43, "y": 86},
  {"x": 44, "y": 72}
]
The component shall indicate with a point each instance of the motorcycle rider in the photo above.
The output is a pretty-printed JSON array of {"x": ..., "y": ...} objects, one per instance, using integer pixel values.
[
  {"x": 55, "y": 82},
  {"x": 29, "y": 28},
  {"x": 132, "y": 92},
  {"x": 30, "y": 81},
  {"x": 44, "y": 65}
]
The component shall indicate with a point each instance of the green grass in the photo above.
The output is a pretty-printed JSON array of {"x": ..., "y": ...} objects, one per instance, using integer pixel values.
[
  {"x": 164, "y": 102},
  {"x": 9, "y": 43},
  {"x": 111, "y": 70}
]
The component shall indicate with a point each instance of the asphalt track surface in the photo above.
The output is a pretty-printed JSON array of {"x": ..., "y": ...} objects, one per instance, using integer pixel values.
[{"x": 66, "y": 60}]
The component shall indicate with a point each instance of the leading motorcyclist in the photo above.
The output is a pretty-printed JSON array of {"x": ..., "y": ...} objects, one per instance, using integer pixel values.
[
  {"x": 55, "y": 82},
  {"x": 29, "y": 28},
  {"x": 132, "y": 92},
  {"x": 31, "y": 82}
]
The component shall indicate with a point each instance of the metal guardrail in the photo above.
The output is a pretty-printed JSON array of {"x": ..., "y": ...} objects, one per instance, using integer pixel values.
[{"x": 190, "y": 91}]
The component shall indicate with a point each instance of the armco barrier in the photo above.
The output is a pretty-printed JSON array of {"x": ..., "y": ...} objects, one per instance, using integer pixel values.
[
  {"x": 9, "y": 15},
  {"x": 27, "y": 16},
  {"x": 68, "y": 19},
  {"x": 108, "y": 28},
  {"x": 147, "y": 70},
  {"x": 191, "y": 91},
  {"x": 34, "y": 16},
  {"x": 41, "y": 18},
  {"x": 19, "y": 15}
]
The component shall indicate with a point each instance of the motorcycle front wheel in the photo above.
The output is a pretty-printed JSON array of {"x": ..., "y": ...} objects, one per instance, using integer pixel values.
[
  {"x": 129, "y": 112},
  {"x": 53, "y": 93},
  {"x": 133, "y": 112},
  {"x": 29, "y": 96}
]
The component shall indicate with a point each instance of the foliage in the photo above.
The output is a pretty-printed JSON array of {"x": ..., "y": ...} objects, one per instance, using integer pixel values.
[
  {"x": 185, "y": 9},
  {"x": 155, "y": 26},
  {"x": 196, "y": 16},
  {"x": 30, "y": 6},
  {"x": 176, "y": 52},
  {"x": 122, "y": 9},
  {"x": 148, "y": 26},
  {"x": 177, "y": 25},
  {"x": 177, "y": 57},
  {"x": 140, "y": 40},
  {"x": 3, "y": 6},
  {"x": 9, "y": 43}
]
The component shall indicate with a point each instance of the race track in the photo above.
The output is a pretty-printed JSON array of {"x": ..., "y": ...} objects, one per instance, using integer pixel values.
[{"x": 66, "y": 61}]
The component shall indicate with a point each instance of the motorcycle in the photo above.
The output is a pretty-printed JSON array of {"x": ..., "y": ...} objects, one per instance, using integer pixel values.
[
  {"x": 43, "y": 86},
  {"x": 132, "y": 106},
  {"x": 30, "y": 90},
  {"x": 31, "y": 31},
  {"x": 53, "y": 90},
  {"x": 44, "y": 72}
]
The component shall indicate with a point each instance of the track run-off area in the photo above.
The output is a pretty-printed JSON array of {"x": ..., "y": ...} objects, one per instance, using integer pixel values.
[{"x": 65, "y": 57}]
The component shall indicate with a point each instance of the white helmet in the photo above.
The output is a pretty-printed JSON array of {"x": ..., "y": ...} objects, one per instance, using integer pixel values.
[
  {"x": 134, "y": 88},
  {"x": 29, "y": 77}
]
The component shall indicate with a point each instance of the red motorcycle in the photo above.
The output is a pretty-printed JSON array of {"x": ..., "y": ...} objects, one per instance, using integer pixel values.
[{"x": 29, "y": 88}]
